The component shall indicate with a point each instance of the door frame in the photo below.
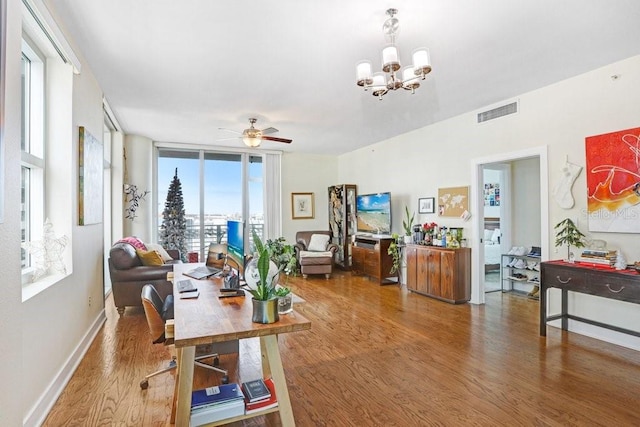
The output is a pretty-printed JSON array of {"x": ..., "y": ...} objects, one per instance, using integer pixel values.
[{"x": 477, "y": 204}]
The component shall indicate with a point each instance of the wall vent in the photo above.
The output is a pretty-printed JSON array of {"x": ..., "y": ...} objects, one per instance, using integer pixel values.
[{"x": 501, "y": 111}]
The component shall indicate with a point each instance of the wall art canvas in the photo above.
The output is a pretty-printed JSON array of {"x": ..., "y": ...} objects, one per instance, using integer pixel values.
[
  {"x": 453, "y": 201},
  {"x": 613, "y": 181},
  {"x": 90, "y": 177}
]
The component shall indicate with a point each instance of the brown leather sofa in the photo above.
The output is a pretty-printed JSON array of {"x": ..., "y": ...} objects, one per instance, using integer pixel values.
[
  {"x": 128, "y": 276},
  {"x": 314, "y": 262}
]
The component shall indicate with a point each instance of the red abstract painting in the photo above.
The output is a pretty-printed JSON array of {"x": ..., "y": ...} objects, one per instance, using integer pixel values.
[{"x": 613, "y": 181}]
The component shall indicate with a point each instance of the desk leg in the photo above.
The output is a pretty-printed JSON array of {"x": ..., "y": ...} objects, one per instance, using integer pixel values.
[
  {"x": 270, "y": 344},
  {"x": 186, "y": 359}
]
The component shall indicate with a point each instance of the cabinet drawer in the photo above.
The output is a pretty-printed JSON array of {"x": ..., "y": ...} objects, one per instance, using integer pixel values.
[
  {"x": 564, "y": 278},
  {"x": 614, "y": 287}
]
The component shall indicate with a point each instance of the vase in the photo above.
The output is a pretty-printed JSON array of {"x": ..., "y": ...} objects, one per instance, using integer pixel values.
[
  {"x": 408, "y": 240},
  {"x": 265, "y": 311},
  {"x": 285, "y": 304}
]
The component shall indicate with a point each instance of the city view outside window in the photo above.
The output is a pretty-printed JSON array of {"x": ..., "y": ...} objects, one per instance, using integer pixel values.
[{"x": 212, "y": 189}]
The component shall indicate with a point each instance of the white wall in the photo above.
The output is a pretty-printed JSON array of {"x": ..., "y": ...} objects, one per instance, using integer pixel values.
[
  {"x": 307, "y": 174},
  {"x": 138, "y": 168},
  {"x": 559, "y": 116},
  {"x": 45, "y": 336},
  {"x": 525, "y": 203}
]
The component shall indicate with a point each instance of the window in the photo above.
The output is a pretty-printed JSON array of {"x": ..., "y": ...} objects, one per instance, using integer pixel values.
[
  {"x": 216, "y": 186},
  {"x": 32, "y": 145}
]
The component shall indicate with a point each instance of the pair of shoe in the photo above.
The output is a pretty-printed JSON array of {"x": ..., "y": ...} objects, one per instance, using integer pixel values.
[
  {"x": 518, "y": 263},
  {"x": 533, "y": 266},
  {"x": 535, "y": 251},
  {"x": 517, "y": 250},
  {"x": 534, "y": 279},
  {"x": 535, "y": 292}
]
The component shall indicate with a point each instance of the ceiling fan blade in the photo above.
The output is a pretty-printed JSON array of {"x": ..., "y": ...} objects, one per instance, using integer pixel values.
[
  {"x": 229, "y": 139},
  {"x": 272, "y": 138},
  {"x": 269, "y": 130},
  {"x": 230, "y": 130}
]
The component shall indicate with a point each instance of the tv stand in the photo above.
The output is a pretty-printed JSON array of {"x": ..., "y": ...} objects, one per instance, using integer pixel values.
[{"x": 370, "y": 257}]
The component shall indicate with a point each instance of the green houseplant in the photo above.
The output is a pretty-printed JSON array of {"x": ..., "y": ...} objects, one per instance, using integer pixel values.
[
  {"x": 283, "y": 255},
  {"x": 568, "y": 234},
  {"x": 407, "y": 223},
  {"x": 396, "y": 256},
  {"x": 265, "y": 300}
]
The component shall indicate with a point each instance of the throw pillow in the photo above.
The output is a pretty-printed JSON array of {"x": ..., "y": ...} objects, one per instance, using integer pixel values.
[
  {"x": 149, "y": 258},
  {"x": 487, "y": 235},
  {"x": 158, "y": 248},
  {"x": 495, "y": 237},
  {"x": 318, "y": 243},
  {"x": 133, "y": 241}
]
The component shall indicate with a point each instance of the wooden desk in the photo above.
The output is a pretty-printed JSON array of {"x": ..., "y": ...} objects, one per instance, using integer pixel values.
[
  {"x": 209, "y": 319},
  {"x": 623, "y": 285}
]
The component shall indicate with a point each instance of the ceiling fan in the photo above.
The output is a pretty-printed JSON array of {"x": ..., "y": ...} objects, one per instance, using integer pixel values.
[{"x": 252, "y": 136}]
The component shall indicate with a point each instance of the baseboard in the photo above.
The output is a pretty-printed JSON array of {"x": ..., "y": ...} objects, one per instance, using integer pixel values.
[{"x": 39, "y": 411}]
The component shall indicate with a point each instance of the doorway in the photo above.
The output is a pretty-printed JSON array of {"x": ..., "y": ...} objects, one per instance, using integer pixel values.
[{"x": 516, "y": 211}]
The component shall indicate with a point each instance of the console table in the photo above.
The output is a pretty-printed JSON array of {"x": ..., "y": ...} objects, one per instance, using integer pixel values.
[{"x": 622, "y": 285}]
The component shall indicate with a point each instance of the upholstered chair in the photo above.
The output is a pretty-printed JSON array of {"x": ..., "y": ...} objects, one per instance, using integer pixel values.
[{"x": 315, "y": 252}]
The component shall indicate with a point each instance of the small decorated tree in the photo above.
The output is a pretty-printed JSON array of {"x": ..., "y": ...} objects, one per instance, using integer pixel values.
[
  {"x": 174, "y": 225},
  {"x": 568, "y": 234}
]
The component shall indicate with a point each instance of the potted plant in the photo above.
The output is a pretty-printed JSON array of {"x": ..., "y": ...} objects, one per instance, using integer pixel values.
[
  {"x": 283, "y": 255},
  {"x": 396, "y": 256},
  {"x": 407, "y": 224},
  {"x": 285, "y": 300},
  {"x": 265, "y": 300},
  {"x": 568, "y": 234}
]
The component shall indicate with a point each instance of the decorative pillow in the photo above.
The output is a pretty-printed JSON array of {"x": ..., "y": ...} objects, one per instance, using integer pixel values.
[
  {"x": 149, "y": 258},
  {"x": 133, "y": 241},
  {"x": 318, "y": 243},
  {"x": 158, "y": 248},
  {"x": 487, "y": 235},
  {"x": 495, "y": 237}
]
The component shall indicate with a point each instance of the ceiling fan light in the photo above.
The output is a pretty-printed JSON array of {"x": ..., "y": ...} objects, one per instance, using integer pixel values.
[
  {"x": 409, "y": 79},
  {"x": 379, "y": 86},
  {"x": 251, "y": 141},
  {"x": 364, "y": 73},
  {"x": 390, "y": 59},
  {"x": 421, "y": 62}
]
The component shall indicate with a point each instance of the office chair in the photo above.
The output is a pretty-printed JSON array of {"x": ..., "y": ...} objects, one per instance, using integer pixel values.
[{"x": 157, "y": 313}]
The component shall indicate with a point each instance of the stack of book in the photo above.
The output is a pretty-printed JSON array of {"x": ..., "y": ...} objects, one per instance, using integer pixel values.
[
  {"x": 259, "y": 395},
  {"x": 216, "y": 403},
  {"x": 599, "y": 257}
]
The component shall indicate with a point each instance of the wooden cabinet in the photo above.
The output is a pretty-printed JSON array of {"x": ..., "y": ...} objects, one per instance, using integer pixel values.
[
  {"x": 369, "y": 256},
  {"x": 440, "y": 273},
  {"x": 342, "y": 221}
]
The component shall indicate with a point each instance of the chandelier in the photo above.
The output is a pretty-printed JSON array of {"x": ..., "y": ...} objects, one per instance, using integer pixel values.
[{"x": 382, "y": 82}]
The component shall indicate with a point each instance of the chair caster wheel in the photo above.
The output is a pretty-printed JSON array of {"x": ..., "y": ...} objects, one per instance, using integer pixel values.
[
  {"x": 216, "y": 361},
  {"x": 144, "y": 384},
  {"x": 225, "y": 379}
]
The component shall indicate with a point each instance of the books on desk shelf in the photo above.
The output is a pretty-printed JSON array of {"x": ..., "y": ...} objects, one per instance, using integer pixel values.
[
  {"x": 255, "y": 390},
  {"x": 261, "y": 405},
  {"x": 216, "y": 403}
]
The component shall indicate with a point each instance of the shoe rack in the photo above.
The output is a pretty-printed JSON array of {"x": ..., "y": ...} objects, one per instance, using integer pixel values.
[{"x": 523, "y": 270}]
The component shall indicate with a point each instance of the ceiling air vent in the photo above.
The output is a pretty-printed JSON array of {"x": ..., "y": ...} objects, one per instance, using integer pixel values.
[{"x": 501, "y": 111}]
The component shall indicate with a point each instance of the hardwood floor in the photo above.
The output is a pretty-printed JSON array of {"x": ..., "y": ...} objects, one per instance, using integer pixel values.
[{"x": 381, "y": 356}]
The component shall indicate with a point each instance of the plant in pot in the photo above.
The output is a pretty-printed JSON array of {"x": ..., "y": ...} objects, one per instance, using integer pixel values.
[
  {"x": 568, "y": 234},
  {"x": 265, "y": 300},
  {"x": 407, "y": 224},
  {"x": 285, "y": 299},
  {"x": 396, "y": 256},
  {"x": 283, "y": 255}
]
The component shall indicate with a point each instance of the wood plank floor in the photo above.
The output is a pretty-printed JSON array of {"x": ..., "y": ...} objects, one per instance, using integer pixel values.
[{"x": 381, "y": 356}]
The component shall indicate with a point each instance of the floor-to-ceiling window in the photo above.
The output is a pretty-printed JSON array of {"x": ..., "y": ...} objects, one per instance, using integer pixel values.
[{"x": 216, "y": 187}]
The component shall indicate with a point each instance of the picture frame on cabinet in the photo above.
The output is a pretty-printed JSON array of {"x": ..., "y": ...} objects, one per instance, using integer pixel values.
[
  {"x": 302, "y": 206},
  {"x": 427, "y": 205}
]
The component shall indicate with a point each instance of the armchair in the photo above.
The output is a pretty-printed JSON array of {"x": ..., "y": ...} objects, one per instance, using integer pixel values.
[{"x": 315, "y": 252}]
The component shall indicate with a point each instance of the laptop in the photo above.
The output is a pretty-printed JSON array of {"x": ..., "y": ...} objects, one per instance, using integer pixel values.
[{"x": 214, "y": 264}]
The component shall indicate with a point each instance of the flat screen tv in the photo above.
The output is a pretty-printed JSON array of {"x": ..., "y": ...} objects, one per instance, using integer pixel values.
[
  {"x": 235, "y": 245},
  {"x": 374, "y": 213}
]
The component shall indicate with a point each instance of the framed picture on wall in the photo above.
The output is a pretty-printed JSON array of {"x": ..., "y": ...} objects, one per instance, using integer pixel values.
[
  {"x": 427, "y": 205},
  {"x": 302, "y": 206}
]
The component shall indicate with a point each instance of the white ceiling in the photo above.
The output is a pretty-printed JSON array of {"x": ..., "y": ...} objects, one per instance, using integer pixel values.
[{"x": 176, "y": 71}]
